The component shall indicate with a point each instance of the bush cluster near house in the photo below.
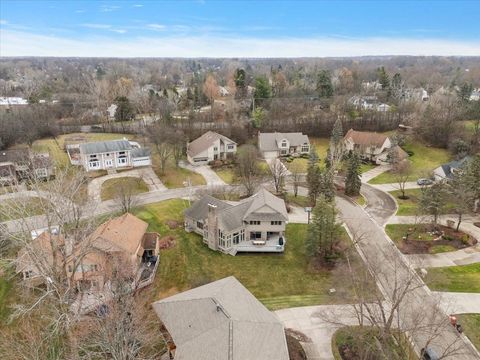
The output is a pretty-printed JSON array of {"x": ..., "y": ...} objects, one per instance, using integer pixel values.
[{"x": 277, "y": 280}]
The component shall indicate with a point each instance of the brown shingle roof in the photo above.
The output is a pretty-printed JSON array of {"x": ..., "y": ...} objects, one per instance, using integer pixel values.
[
  {"x": 366, "y": 138},
  {"x": 204, "y": 142},
  {"x": 121, "y": 233}
]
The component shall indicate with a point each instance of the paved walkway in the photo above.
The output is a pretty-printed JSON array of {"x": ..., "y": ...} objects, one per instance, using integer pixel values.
[
  {"x": 209, "y": 175},
  {"x": 459, "y": 303},
  {"x": 394, "y": 186},
  {"x": 146, "y": 174},
  {"x": 370, "y": 174}
]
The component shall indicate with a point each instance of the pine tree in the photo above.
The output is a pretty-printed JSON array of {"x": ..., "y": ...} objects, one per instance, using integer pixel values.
[
  {"x": 324, "y": 84},
  {"x": 337, "y": 148},
  {"x": 313, "y": 175},
  {"x": 323, "y": 231},
  {"x": 353, "y": 182}
]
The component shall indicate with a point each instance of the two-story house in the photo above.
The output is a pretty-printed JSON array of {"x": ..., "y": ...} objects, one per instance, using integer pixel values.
[
  {"x": 256, "y": 224},
  {"x": 120, "y": 243},
  {"x": 273, "y": 145},
  {"x": 20, "y": 164},
  {"x": 105, "y": 155},
  {"x": 369, "y": 146},
  {"x": 209, "y": 147},
  {"x": 218, "y": 321}
]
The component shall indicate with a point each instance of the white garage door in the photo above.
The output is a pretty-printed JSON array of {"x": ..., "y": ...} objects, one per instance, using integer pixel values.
[{"x": 143, "y": 161}]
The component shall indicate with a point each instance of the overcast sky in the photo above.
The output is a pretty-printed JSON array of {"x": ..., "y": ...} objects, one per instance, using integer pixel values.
[{"x": 238, "y": 28}]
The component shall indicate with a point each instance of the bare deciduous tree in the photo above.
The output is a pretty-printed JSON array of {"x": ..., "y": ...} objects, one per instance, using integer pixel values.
[
  {"x": 402, "y": 171},
  {"x": 278, "y": 172},
  {"x": 247, "y": 167},
  {"x": 296, "y": 176}
]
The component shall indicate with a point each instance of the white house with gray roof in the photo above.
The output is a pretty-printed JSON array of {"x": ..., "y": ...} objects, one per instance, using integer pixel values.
[
  {"x": 105, "y": 155},
  {"x": 273, "y": 145},
  {"x": 209, "y": 147},
  {"x": 256, "y": 224},
  {"x": 221, "y": 320}
]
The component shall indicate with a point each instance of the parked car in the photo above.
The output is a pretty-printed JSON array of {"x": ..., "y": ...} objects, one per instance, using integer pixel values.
[
  {"x": 429, "y": 354},
  {"x": 424, "y": 181}
]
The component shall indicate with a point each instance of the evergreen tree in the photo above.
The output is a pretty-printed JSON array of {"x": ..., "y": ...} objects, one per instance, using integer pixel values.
[
  {"x": 433, "y": 200},
  {"x": 327, "y": 186},
  {"x": 323, "y": 232},
  {"x": 324, "y": 84},
  {"x": 383, "y": 78},
  {"x": 353, "y": 182},
  {"x": 125, "y": 111},
  {"x": 337, "y": 147},
  {"x": 263, "y": 90},
  {"x": 464, "y": 92},
  {"x": 313, "y": 175},
  {"x": 240, "y": 79}
]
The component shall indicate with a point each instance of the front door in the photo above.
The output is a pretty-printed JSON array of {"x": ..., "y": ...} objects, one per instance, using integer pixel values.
[{"x": 109, "y": 163}]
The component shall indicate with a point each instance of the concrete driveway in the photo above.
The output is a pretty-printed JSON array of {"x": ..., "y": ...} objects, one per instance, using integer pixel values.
[
  {"x": 380, "y": 205},
  {"x": 208, "y": 174}
]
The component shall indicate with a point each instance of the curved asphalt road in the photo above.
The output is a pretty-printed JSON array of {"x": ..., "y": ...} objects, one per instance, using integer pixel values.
[{"x": 380, "y": 205}]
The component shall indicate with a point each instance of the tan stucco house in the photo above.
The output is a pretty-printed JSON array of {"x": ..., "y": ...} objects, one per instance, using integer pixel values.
[
  {"x": 256, "y": 224},
  {"x": 209, "y": 147}
]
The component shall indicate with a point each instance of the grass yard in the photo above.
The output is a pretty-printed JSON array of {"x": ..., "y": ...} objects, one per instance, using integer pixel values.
[
  {"x": 471, "y": 327},
  {"x": 5, "y": 294},
  {"x": 278, "y": 280},
  {"x": 464, "y": 278},
  {"x": 410, "y": 206},
  {"x": 110, "y": 187},
  {"x": 420, "y": 240},
  {"x": 321, "y": 145},
  {"x": 470, "y": 125},
  {"x": 174, "y": 176},
  {"x": 298, "y": 200},
  {"x": 227, "y": 174},
  {"x": 424, "y": 160},
  {"x": 18, "y": 208},
  {"x": 301, "y": 163}
]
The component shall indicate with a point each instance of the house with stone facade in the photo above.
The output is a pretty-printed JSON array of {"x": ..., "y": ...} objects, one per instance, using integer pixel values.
[{"x": 256, "y": 224}]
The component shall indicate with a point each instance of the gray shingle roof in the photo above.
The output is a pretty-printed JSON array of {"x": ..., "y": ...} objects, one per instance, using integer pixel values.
[
  {"x": 105, "y": 146},
  {"x": 269, "y": 141},
  {"x": 140, "y": 152},
  {"x": 264, "y": 204},
  {"x": 199, "y": 209},
  {"x": 222, "y": 321},
  {"x": 204, "y": 142}
]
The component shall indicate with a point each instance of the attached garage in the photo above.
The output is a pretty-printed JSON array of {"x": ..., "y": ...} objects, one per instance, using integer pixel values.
[
  {"x": 270, "y": 154},
  {"x": 141, "y": 157}
]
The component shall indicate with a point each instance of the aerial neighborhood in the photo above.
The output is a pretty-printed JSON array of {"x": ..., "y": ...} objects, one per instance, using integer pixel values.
[{"x": 178, "y": 183}]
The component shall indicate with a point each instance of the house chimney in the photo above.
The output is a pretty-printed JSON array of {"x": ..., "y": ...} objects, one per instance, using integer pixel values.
[{"x": 212, "y": 223}]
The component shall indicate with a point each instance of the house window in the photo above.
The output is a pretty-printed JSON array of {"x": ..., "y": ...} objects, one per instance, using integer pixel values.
[
  {"x": 236, "y": 238},
  {"x": 305, "y": 148},
  {"x": 199, "y": 225},
  {"x": 200, "y": 159},
  {"x": 122, "y": 160},
  {"x": 284, "y": 144},
  {"x": 230, "y": 146},
  {"x": 94, "y": 156},
  {"x": 283, "y": 152},
  {"x": 41, "y": 173},
  {"x": 215, "y": 148},
  {"x": 275, "y": 222},
  {"x": 254, "y": 235},
  {"x": 242, "y": 235},
  {"x": 254, "y": 222},
  {"x": 94, "y": 164}
]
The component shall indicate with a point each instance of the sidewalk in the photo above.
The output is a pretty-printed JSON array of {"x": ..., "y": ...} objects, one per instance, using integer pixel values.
[
  {"x": 370, "y": 174},
  {"x": 394, "y": 186}
]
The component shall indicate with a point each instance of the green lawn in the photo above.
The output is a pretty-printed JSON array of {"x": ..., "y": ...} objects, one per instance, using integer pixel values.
[
  {"x": 23, "y": 207},
  {"x": 416, "y": 232},
  {"x": 301, "y": 163},
  {"x": 321, "y": 145},
  {"x": 298, "y": 200},
  {"x": 471, "y": 327},
  {"x": 5, "y": 292},
  {"x": 174, "y": 177},
  {"x": 424, "y": 160},
  {"x": 470, "y": 125},
  {"x": 226, "y": 174},
  {"x": 410, "y": 206},
  {"x": 110, "y": 187},
  {"x": 366, "y": 167},
  {"x": 464, "y": 278},
  {"x": 278, "y": 280}
]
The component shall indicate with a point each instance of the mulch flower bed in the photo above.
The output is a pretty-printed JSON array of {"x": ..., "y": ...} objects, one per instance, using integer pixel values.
[{"x": 442, "y": 235}]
